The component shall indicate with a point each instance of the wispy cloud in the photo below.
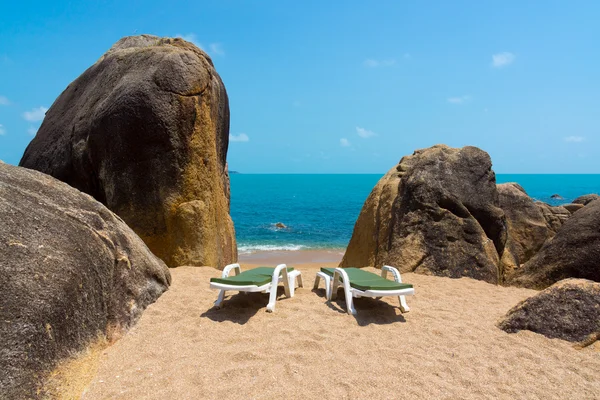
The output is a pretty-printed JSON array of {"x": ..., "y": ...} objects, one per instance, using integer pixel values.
[
  {"x": 574, "y": 139},
  {"x": 4, "y": 101},
  {"x": 216, "y": 49},
  {"x": 344, "y": 142},
  {"x": 407, "y": 56},
  {"x": 364, "y": 133},
  {"x": 32, "y": 131},
  {"x": 190, "y": 37},
  {"x": 372, "y": 63},
  {"x": 213, "y": 48},
  {"x": 501, "y": 60},
  {"x": 35, "y": 115},
  {"x": 2, "y": 130},
  {"x": 458, "y": 99},
  {"x": 242, "y": 137}
]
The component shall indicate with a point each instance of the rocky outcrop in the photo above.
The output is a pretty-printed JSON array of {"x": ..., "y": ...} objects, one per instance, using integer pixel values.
[
  {"x": 555, "y": 216},
  {"x": 436, "y": 212},
  {"x": 70, "y": 270},
  {"x": 567, "y": 310},
  {"x": 145, "y": 131},
  {"x": 573, "y": 253},
  {"x": 586, "y": 199},
  {"x": 572, "y": 207},
  {"x": 528, "y": 228}
]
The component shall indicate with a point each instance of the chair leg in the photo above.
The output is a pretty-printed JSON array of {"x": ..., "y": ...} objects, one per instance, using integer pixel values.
[
  {"x": 299, "y": 279},
  {"x": 272, "y": 298},
  {"x": 220, "y": 298},
  {"x": 338, "y": 275},
  {"x": 403, "y": 306},
  {"x": 317, "y": 280}
]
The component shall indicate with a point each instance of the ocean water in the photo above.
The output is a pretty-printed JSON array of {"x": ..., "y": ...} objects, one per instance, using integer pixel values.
[{"x": 319, "y": 211}]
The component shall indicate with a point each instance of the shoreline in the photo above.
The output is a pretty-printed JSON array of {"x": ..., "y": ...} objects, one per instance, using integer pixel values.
[{"x": 302, "y": 256}]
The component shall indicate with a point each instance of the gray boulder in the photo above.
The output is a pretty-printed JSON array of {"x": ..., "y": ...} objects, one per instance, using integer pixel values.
[
  {"x": 555, "y": 216},
  {"x": 70, "y": 271},
  {"x": 568, "y": 310},
  {"x": 436, "y": 212},
  {"x": 528, "y": 228},
  {"x": 586, "y": 199},
  {"x": 145, "y": 131},
  {"x": 573, "y": 253}
]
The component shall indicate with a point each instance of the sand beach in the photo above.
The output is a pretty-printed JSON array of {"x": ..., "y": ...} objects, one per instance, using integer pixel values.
[{"x": 446, "y": 347}]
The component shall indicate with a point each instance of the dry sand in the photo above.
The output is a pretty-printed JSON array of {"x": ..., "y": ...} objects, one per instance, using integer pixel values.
[{"x": 446, "y": 347}]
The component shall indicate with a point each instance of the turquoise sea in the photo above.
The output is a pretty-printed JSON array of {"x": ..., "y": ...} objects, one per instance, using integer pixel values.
[{"x": 319, "y": 211}]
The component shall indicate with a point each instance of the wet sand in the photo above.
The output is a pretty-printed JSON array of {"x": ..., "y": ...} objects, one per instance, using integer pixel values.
[{"x": 446, "y": 347}]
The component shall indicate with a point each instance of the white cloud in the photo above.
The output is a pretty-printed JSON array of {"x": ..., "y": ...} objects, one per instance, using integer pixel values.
[
  {"x": 32, "y": 131},
  {"x": 216, "y": 49},
  {"x": 458, "y": 99},
  {"x": 344, "y": 142},
  {"x": 242, "y": 137},
  {"x": 35, "y": 115},
  {"x": 501, "y": 60},
  {"x": 190, "y": 37},
  {"x": 371, "y": 63},
  {"x": 4, "y": 101},
  {"x": 574, "y": 139},
  {"x": 2, "y": 130},
  {"x": 364, "y": 133}
]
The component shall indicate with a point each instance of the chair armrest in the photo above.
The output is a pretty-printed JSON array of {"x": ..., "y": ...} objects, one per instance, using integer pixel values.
[
  {"x": 235, "y": 267},
  {"x": 394, "y": 271}
]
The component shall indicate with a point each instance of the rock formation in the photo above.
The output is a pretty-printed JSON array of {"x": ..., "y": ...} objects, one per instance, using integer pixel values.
[
  {"x": 436, "y": 212},
  {"x": 567, "y": 310},
  {"x": 145, "y": 131},
  {"x": 573, "y": 253},
  {"x": 586, "y": 199},
  {"x": 572, "y": 207},
  {"x": 70, "y": 270},
  {"x": 528, "y": 228},
  {"x": 555, "y": 216}
]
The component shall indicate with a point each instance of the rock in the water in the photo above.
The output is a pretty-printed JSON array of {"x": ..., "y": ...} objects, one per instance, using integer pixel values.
[
  {"x": 145, "y": 131},
  {"x": 280, "y": 225},
  {"x": 528, "y": 229},
  {"x": 573, "y": 253},
  {"x": 556, "y": 197},
  {"x": 573, "y": 207},
  {"x": 436, "y": 212},
  {"x": 70, "y": 271},
  {"x": 569, "y": 310},
  {"x": 586, "y": 199}
]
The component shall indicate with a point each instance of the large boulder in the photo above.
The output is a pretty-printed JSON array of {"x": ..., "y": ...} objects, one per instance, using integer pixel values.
[
  {"x": 586, "y": 199},
  {"x": 71, "y": 271},
  {"x": 569, "y": 310},
  {"x": 574, "y": 252},
  {"x": 436, "y": 212},
  {"x": 528, "y": 229},
  {"x": 145, "y": 131}
]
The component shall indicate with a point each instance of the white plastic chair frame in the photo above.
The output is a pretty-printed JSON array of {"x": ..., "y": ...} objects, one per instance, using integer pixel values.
[
  {"x": 340, "y": 276},
  {"x": 288, "y": 279}
]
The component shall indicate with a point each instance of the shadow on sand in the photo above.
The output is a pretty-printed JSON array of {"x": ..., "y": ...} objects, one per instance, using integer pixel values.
[
  {"x": 368, "y": 310},
  {"x": 240, "y": 307}
]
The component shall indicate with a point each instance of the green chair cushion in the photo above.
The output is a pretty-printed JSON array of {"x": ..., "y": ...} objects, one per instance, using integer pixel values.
[
  {"x": 365, "y": 280},
  {"x": 256, "y": 276}
]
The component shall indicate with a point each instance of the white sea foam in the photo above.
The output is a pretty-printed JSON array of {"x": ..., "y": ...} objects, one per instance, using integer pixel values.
[{"x": 248, "y": 249}]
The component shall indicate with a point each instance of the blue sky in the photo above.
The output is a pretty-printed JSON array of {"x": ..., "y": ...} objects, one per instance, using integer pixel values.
[{"x": 343, "y": 86}]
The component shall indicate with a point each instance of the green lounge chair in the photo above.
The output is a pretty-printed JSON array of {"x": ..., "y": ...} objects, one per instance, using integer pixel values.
[
  {"x": 361, "y": 283},
  {"x": 261, "y": 279}
]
